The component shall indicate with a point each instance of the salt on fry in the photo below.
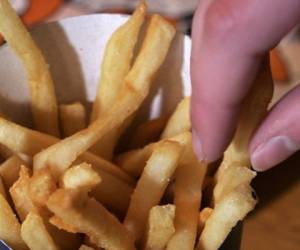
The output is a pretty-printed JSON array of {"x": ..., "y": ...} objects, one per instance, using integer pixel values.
[
  {"x": 91, "y": 218},
  {"x": 153, "y": 182},
  {"x": 80, "y": 176},
  {"x": 160, "y": 227},
  {"x": 10, "y": 226},
  {"x": 72, "y": 118},
  {"x": 43, "y": 100},
  {"x": 35, "y": 234}
]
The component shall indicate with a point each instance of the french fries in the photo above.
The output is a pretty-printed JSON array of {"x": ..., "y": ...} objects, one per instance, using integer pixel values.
[
  {"x": 180, "y": 121},
  {"x": 81, "y": 176},
  {"x": 226, "y": 214},
  {"x": 155, "y": 177},
  {"x": 35, "y": 234},
  {"x": 19, "y": 193},
  {"x": 116, "y": 65},
  {"x": 188, "y": 182},
  {"x": 9, "y": 170},
  {"x": 43, "y": 99},
  {"x": 90, "y": 217},
  {"x": 10, "y": 226},
  {"x": 67, "y": 197},
  {"x": 160, "y": 227},
  {"x": 72, "y": 118},
  {"x": 159, "y": 35}
]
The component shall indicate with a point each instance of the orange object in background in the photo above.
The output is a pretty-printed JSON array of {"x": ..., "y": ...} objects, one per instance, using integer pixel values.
[
  {"x": 37, "y": 11},
  {"x": 278, "y": 67}
]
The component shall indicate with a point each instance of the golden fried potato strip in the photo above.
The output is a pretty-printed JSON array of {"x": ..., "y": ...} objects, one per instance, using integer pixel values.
[
  {"x": 43, "y": 100},
  {"x": 153, "y": 182}
]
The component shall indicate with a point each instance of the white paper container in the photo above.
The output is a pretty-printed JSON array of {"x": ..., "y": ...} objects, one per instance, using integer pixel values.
[{"x": 74, "y": 49}]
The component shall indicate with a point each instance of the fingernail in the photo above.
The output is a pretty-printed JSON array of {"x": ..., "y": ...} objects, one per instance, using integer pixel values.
[
  {"x": 272, "y": 152},
  {"x": 197, "y": 146}
]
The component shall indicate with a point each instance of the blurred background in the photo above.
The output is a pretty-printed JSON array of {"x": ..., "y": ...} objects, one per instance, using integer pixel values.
[{"x": 275, "y": 224}]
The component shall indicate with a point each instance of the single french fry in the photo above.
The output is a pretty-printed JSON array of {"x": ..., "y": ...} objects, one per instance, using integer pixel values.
[
  {"x": 43, "y": 100},
  {"x": 253, "y": 110},
  {"x": 9, "y": 170},
  {"x": 90, "y": 218},
  {"x": 72, "y": 118},
  {"x": 180, "y": 120},
  {"x": 147, "y": 132},
  {"x": 30, "y": 142},
  {"x": 226, "y": 214},
  {"x": 35, "y": 234},
  {"x": 204, "y": 214},
  {"x": 188, "y": 193},
  {"x": 19, "y": 193},
  {"x": 160, "y": 227},
  {"x": 231, "y": 178},
  {"x": 153, "y": 182},
  {"x": 2, "y": 189},
  {"x": 60, "y": 224},
  {"x": 10, "y": 226},
  {"x": 41, "y": 186},
  {"x": 80, "y": 176},
  {"x": 159, "y": 35},
  {"x": 134, "y": 161}
]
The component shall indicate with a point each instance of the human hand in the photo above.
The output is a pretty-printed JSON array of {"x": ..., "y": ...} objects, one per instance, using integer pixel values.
[{"x": 230, "y": 38}]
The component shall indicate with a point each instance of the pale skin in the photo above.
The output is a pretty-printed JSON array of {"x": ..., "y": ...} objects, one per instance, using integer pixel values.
[{"x": 230, "y": 39}]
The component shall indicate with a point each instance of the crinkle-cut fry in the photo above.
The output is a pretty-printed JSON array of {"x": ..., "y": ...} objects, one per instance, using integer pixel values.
[
  {"x": 179, "y": 121},
  {"x": 19, "y": 193},
  {"x": 116, "y": 65},
  {"x": 35, "y": 234},
  {"x": 42, "y": 184},
  {"x": 147, "y": 132},
  {"x": 253, "y": 111},
  {"x": 137, "y": 83},
  {"x": 204, "y": 214},
  {"x": 90, "y": 218},
  {"x": 31, "y": 142},
  {"x": 72, "y": 118},
  {"x": 160, "y": 227},
  {"x": 2, "y": 189},
  {"x": 85, "y": 247},
  {"x": 43, "y": 99},
  {"x": 10, "y": 226},
  {"x": 80, "y": 176},
  {"x": 188, "y": 193},
  {"x": 153, "y": 182},
  {"x": 226, "y": 214},
  {"x": 9, "y": 170},
  {"x": 117, "y": 61},
  {"x": 134, "y": 161},
  {"x": 231, "y": 178}
]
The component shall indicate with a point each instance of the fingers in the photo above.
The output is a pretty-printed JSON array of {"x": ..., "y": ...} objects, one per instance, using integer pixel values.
[
  {"x": 229, "y": 39},
  {"x": 278, "y": 137}
]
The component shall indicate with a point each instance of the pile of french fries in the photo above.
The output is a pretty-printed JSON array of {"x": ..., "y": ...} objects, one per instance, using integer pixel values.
[{"x": 67, "y": 188}]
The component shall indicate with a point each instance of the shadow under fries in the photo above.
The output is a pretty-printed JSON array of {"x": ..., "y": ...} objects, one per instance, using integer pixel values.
[{"x": 55, "y": 45}]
